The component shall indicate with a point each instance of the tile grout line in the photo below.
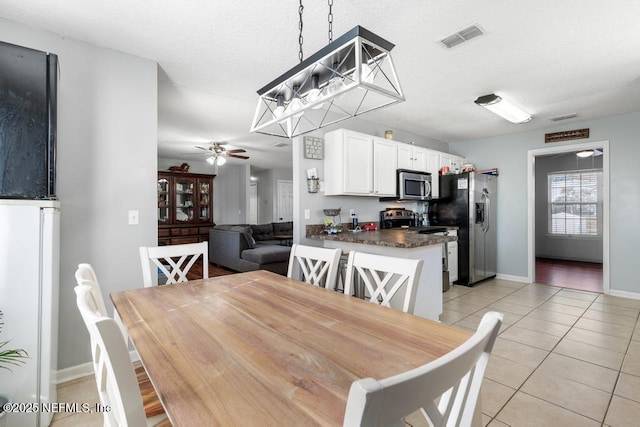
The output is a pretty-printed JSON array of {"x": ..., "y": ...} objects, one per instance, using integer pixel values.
[{"x": 551, "y": 350}]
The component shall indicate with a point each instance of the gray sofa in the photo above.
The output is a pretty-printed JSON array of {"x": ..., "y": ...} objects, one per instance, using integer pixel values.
[{"x": 250, "y": 247}]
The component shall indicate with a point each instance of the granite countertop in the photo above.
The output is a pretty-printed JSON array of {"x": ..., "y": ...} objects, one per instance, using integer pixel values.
[{"x": 394, "y": 238}]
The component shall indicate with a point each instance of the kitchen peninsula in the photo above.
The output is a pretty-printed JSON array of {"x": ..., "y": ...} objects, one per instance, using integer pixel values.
[{"x": 401, "y": 243}]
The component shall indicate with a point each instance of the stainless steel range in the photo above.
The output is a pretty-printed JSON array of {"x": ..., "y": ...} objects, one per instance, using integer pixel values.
[
  {"x": 405, "y": 218},
  {"x": 397, "y": 217}
]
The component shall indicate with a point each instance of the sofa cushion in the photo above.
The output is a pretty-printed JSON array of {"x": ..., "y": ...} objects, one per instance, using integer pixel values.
[
  {"x": 262, "y": 232},
  {"x": 267, "y": 254},
  {"x": 283, "y": 227},
  {"x": 246, "y": 231}
]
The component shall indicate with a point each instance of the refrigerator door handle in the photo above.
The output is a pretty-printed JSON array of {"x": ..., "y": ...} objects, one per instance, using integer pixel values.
[{"x": 487, "y": 206}]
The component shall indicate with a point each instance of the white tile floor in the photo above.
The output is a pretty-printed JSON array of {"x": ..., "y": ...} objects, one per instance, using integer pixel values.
[{"x": 563, "y": 357}]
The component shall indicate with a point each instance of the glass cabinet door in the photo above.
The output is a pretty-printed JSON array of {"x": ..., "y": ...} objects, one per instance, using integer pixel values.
[
  {"x": 205, "y": 199},
  {"x": 184, "y": 191},
  {"x": 163, "y": 200}
]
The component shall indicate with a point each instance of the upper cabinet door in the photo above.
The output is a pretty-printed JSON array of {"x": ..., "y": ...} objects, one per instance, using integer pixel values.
[
  {"x": 384, "y": 167},
  {"x": 412, "y": 157},
  {"x": 164, "y": 199},
  {"x": 185, "y": 198},
  {"x": 204, "y": 200},
  {"x": 358, "y": 164},
  {"x": 420, "y": 159},
  {"x": 405, "y": 156}
]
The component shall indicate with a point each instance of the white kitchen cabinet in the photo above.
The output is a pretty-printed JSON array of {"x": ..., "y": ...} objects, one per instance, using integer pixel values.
[
  {"x": 357, "y": 164},
  {"x": 433, "y": 167},
  {"x": 384, "y": 167},
  {"x": 452, "y": 257},
  {"x": 412, "y": 157},
  {"x": 453, "y": 162}
]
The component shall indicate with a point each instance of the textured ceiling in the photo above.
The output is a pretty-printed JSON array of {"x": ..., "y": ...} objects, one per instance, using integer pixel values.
[{"x": 550, "y": 57}]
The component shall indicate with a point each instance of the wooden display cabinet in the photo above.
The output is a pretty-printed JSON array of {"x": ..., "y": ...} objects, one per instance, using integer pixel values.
[{"x": 185, "y": 207}]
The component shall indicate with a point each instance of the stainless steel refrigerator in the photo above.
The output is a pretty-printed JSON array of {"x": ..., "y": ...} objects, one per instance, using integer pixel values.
[{"x": 468, "y": 202}]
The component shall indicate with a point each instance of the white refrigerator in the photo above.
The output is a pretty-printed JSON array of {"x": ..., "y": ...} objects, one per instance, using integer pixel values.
[{"x": 29, "y": 275}]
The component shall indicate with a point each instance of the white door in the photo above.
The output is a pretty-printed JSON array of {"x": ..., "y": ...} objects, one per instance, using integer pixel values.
[
  {"x": 285, "y": 201},
  {"x": 253, "y": 203}
]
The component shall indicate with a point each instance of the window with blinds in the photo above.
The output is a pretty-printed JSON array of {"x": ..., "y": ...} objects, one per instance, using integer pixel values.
[{"x": 575, "y": 203}]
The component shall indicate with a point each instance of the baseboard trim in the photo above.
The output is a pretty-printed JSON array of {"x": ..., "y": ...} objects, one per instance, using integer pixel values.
[
  {"x": 521, "y": 279},
  {"x": 74, "y": 372},
  {"x": 83, "y": 370},
  {"x": 624, "y": 294}
]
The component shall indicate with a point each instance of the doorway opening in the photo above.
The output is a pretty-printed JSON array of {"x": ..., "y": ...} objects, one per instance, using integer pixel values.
[{"x": 568, "y": 232}]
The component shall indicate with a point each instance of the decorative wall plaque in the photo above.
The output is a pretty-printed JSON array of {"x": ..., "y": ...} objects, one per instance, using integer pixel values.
[
  {"x": 566, "y": 135},
  {"x": 313, "y": 148}
]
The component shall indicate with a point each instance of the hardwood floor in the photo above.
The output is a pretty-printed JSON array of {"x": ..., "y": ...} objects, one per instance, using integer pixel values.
[
  {"x": 214, "y": 270},
  {"x": 586, "y": 276}
]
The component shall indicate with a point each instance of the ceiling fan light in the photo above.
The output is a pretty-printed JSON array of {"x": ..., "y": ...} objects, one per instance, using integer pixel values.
[
  {"x": 211, "y": 160},
  {"x": 221, "y": 160},
  {"x": 503, "y": 108}
]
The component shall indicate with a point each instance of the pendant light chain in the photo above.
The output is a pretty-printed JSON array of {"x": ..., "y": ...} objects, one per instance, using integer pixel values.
[
  {"x": 330, "y": 19},
  {"x": 300, "y": 26}
]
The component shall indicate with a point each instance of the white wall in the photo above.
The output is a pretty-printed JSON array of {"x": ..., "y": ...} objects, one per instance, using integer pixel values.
[
  {"x": 587, "y": 249},
  {"x": 268, "y": 192},
  {"x": 509, "y": 154},
  {"x": 106, "y": 165}
]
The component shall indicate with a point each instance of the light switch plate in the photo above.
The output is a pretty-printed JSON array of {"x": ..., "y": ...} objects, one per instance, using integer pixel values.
[{"x": 134, "y": 217}]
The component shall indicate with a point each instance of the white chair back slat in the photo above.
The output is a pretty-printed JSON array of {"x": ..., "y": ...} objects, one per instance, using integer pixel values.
[
  {"x": 114, "y": 372},
  {"x": 313, "y": 265},
  {"x": 384, "y": 277},
  {"x": 163, "y": 259},
  {"x": 455, "y": 379}
]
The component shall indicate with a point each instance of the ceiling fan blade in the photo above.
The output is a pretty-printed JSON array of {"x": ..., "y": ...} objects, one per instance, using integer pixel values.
[
  {"x": 237, "y": 150},
  {"x": 237, "y": 156},
  {"x": 202, "y": 148}
]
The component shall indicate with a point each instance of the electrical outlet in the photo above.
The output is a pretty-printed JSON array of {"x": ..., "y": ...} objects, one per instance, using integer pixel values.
[
  {"x": 133, "y": 217},
  {"x": 307, "y": 214}
]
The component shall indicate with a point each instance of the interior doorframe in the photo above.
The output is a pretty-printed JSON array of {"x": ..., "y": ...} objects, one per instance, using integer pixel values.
[{"x": 531, "y": 156}]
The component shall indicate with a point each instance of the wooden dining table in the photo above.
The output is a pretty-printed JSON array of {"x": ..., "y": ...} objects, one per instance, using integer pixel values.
[{"x": 258, "y": 348}]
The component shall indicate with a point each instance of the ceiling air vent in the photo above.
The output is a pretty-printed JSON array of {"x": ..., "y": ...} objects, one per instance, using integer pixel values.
[
  {"x": 462, "y": 36},
  {"x": 565, "y": 117}
]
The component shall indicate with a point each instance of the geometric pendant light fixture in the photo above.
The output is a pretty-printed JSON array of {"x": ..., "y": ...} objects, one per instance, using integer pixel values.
[
  {"x": 503, "y": 108},
  {"x": 350, "y": 76}
]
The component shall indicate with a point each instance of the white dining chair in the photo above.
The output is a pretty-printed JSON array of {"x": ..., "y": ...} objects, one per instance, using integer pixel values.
[
  {"x": 114, "y": 373},
  {"x": 384, "y": 277},
  {"x": 86, "y": 275},
  {"x": 454, "y": 379},
  {"x": 173, "y": 261},
  {"x": 313, "y": 265}
]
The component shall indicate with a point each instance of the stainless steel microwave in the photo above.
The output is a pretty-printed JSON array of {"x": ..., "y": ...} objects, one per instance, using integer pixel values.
[{"x": 413, "y": 185}]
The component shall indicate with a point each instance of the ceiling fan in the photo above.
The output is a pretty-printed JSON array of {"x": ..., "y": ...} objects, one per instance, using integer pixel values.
[{"x": 218, "y": 153}]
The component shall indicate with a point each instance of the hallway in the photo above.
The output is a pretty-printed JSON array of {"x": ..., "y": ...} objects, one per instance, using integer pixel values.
[{"x": 585, "y": 276}]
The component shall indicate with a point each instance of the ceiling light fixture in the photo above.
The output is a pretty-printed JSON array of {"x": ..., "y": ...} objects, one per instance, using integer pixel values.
[
  {"x": 217, "y": 160},
  {"x": 585, "y": 153},
  {"x": 503, "y": 108},
  {"x": 348, "y": 77}
]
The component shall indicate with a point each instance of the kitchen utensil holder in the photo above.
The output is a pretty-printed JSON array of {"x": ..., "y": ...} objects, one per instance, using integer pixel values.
[{"x": 313, "y": 185}]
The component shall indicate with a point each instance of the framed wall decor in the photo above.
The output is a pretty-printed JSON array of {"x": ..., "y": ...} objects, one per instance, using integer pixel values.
[{"x": 313, "y": 148}]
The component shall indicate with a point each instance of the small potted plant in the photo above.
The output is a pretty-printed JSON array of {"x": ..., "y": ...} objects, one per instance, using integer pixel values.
[{"x": 8, "y": 358}]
